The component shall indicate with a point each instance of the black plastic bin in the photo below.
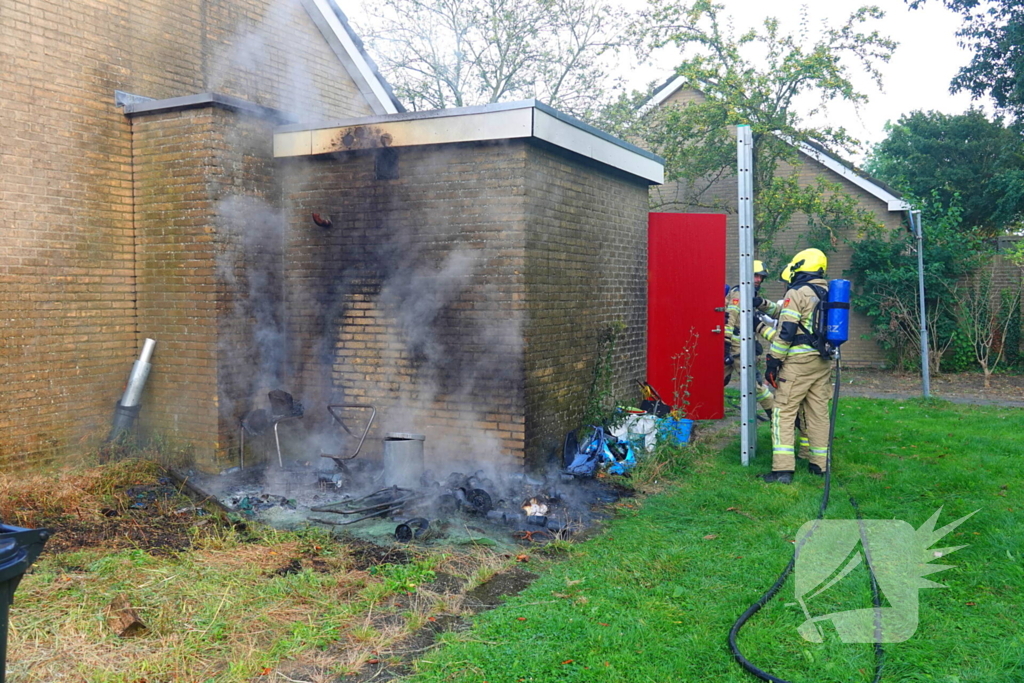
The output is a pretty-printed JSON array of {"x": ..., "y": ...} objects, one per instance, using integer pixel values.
[{"x": 19, "y": 548}]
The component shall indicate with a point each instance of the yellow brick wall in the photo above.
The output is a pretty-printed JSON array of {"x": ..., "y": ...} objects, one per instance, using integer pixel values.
[{"x": 67, "y": 276}]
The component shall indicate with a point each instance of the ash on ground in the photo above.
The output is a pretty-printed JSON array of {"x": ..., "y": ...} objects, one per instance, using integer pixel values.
[{"x": 456, "y": 508}]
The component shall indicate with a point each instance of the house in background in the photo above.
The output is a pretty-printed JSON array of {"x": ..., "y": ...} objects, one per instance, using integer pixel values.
[
  {"x": 459, "y": 272},
  {"x": 885, "y": 204}
]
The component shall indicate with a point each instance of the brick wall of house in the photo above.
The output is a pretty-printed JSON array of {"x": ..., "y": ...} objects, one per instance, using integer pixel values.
[
  {"x": 65, "y": 206},
  {"x": 67, "y": 273},
  {"x": 413, "y": 300},
  {"x": 586, "y": 271},
  {"x": 176, "y": 279},
  {"x": 209, "y": 262},
  {"x": 721, "y": 197}
]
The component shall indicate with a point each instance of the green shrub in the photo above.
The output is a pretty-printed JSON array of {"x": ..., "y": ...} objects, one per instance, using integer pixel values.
[{"x": 959, "y": 357}]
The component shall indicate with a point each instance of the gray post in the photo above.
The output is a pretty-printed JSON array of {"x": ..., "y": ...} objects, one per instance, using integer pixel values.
[
  {"x": 925, "y": 370},
  {"x": 748, "y": 396}
]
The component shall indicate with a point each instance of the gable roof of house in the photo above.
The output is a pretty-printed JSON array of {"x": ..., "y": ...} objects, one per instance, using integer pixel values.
[
  {"x": 813, "y": 150},
  {"x": 339, "y": 34}
]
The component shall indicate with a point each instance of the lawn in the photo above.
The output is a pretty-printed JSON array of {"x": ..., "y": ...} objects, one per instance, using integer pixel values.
[{"x": 653, "y": 598}]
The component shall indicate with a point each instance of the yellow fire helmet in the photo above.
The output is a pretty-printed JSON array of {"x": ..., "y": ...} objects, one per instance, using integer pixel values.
[
  {"x": 807, "y": 261},
  {"x": 759, "y": 269}
]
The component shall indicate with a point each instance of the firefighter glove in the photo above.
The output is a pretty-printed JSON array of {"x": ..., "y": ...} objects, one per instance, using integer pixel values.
[
  {"x": 758, "y": 302},
  {"x": 771, "y": 374}
]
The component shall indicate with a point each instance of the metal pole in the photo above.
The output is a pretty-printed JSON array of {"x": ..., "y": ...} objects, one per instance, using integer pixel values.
[
  {"x": 748, "y": 396},
  {"x": 925, "y": 370}
]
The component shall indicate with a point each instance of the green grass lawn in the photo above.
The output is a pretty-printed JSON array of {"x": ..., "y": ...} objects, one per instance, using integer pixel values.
[{"x": 654, "y": 596}]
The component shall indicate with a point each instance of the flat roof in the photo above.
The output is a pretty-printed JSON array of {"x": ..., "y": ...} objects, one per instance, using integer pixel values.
[{"x": 502, "y": 121}]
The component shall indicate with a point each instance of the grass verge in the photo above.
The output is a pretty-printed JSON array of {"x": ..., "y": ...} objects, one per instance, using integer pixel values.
[
  {"x": 653, "y": 598},
  {"x": 221, "y": 602}
]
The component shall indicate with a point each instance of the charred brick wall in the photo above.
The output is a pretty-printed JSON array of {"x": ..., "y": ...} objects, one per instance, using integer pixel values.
[
  {"x": 586, "y": 278},
  {"x": 67, "y": 273},
  {"x": 413, "y": 300},
  {"x": 464, "y": 297}
]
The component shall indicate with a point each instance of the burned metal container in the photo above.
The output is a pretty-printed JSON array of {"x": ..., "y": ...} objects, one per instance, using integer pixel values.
[{"x": 403, "y": 459}]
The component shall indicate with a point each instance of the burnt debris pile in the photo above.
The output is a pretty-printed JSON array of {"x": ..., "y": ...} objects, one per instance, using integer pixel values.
[{"x": 501, "y": 507}]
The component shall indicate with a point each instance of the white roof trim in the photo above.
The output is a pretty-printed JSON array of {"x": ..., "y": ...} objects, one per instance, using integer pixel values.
[
  {"x": 513, "y": 120},
  {"x": 351, "y": 57},
  {"x": 666, "y": 92},
  {"x": 893, "y": 202}
]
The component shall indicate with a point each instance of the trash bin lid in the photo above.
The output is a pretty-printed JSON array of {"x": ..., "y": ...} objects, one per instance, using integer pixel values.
[{"x": 8, "y": 549}]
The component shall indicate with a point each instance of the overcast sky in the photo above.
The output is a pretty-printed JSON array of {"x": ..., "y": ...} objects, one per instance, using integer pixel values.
[{"x": 917, "y": 77}]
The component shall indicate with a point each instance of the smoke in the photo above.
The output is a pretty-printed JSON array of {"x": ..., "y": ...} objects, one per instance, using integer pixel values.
[
  {"x": 242, "y": 66},
  {"x": 452, "y": 348},
  {"x": 253, "y": 345},
  {"x": 443, "y": 318}
]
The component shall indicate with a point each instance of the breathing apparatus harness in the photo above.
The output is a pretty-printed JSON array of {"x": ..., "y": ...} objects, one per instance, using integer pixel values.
[{"x": 837, "y": 319}]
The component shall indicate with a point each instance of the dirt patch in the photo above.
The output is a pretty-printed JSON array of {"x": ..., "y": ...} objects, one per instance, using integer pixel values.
[
  {"x": 396, "y": 661},
  {"x": 445, "y": 583},
  {"x": 365, "y": 554},
  {"x": 155, "y": 517},
  {"x": 493, "y": 592},
  {"x": 963, "y": 387}
]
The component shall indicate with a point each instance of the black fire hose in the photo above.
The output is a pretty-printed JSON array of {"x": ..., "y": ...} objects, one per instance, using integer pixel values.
[{"x": 763, "y": 600}]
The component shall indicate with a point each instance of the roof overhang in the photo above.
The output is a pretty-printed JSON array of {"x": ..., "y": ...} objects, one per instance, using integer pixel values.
[
  {"x": 528, "y": 119},
  {"x": 892, "y": 201},
  {"x": 670, "y": 88},
  {"x": 370, "y": 83}
]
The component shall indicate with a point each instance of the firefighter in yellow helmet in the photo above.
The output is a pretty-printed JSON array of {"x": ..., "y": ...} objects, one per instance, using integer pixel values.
[
  {"x": 797, "y": 369},
  {"x": 732, "y": 335}
]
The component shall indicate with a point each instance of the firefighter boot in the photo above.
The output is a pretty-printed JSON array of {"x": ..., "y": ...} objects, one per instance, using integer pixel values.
[
  {"x": 778, "y": 477},
  {"x": 815, "y": 470}
]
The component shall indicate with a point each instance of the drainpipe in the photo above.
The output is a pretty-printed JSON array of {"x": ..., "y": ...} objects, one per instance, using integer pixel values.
[
  {"x": 915, "y": 228},
  {"x": 128, "y": 407}
]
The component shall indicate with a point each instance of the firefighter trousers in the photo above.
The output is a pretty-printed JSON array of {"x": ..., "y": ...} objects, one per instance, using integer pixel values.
[
  {"x": 803, "y": 383},
  {"x": 764, "y": 395}
]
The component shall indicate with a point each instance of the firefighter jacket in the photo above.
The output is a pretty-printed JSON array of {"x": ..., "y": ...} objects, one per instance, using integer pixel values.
[
  {"x": 732, "y": 319},
  {"x": 796, "y": 321}
]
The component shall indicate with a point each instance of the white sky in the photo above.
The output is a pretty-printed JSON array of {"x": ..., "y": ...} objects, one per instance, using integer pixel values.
[{"x": 917, "y": 76}]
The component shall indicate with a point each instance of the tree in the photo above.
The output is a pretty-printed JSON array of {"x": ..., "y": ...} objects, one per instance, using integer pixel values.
[
  {"x": 930, "y": 154},
  {"x": 757, "y": 79},
  {"x": 884, "y": 271},
  {"x": 994, "y": 31},
  {"x": 456, "y": 53},
  {"x": 981, "y": 316}
]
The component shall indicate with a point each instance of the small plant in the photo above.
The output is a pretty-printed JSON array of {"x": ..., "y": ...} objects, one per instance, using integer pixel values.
[
  {"x": 682, "y": 375},
  {"x": 600, "y": 406}
]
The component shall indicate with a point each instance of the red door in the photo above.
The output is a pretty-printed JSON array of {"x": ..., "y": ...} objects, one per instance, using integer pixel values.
[{"x": 685, "y": 286}]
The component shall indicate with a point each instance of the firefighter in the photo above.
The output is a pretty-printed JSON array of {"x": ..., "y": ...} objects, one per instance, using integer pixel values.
[
  {"x": 798, "y": 371},
  {"x": 732, "y": 335}
]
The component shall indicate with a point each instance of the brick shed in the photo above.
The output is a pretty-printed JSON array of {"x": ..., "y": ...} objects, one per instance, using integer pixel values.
[{"x": 475, "y": 257}]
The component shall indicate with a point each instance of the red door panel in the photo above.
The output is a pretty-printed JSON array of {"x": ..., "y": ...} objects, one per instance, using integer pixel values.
[{"x": 685, "y": 284}]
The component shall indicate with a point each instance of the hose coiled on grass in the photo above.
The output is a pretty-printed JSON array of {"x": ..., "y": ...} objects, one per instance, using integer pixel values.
[{"x": 764, "y": 599}]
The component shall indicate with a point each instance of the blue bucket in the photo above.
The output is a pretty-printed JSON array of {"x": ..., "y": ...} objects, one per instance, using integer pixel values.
[{"x": 675, "y": 430}]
